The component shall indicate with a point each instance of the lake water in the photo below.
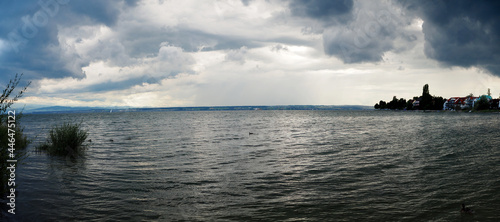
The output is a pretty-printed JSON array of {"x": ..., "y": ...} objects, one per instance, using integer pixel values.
[{"x": 266, "y": 166}]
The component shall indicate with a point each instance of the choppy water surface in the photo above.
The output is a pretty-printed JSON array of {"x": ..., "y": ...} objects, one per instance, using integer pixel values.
[{"x": 267, "y": 165}]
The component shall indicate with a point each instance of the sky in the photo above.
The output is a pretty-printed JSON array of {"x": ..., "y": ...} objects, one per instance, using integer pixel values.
[{"x": 161, "y": 53}]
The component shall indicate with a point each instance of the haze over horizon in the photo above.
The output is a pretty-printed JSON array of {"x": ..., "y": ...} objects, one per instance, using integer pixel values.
[{"x": 155, "y": 53}]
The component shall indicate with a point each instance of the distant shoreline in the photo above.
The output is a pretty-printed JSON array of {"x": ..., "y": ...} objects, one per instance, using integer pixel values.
[{"x": 61, "y": 109}]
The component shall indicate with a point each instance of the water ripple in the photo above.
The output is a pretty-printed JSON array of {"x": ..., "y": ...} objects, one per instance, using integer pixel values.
[{"x": 267, "y": 166}]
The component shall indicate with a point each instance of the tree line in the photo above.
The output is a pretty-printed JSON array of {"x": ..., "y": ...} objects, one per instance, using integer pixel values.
[{"x": 424, "y": 102}]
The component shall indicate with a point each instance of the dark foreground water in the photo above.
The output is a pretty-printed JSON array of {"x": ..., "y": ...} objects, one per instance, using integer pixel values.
[{"x": 267, "y": 166}]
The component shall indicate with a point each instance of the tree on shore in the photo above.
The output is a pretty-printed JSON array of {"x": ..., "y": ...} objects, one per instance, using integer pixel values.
[
  {"x": 482, "y": 104},
  {"x": 426, "y": 99},
  {"x": 425, "y": 102},
  {"x": 395, "y": 103},
  {"x": 381, "y": 105},
  {"x": 409, "y": 104}
]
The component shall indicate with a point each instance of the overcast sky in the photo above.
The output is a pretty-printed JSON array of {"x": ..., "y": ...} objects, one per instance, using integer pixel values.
[{"x": 161, "y": 53}]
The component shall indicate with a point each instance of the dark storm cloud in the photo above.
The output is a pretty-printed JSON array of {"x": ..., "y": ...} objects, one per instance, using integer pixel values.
[
  {"x": 368, "y": 29},
  {"x": 461, "y": 32},
  {"x": 321, "y": 9},
  {"x": 457, "y": 33},
  {"x": 95, "y": 11},
  {"x": 354, "y": 32},
  {"x": 105, "y": 12},
  {"x": 144, "y": 40},
  {"x": 34, "y": 47},
  {"x": 27, "y": 33},
  {"x": 29, "y": 30},
  {"x": 119, "y": 85}
]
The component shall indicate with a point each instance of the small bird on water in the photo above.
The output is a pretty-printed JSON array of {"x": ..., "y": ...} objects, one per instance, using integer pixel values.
[{"x": 466, "y": 210}]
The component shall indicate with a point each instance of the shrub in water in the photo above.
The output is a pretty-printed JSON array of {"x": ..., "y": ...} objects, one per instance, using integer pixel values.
[{"x": 66, "y": 139}]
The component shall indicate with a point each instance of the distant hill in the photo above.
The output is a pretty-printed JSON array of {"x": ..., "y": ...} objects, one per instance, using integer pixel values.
[{"x": 67, "y": 109}]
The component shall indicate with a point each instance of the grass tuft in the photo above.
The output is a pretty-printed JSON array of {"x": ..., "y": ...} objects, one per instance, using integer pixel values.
[{"x": 66, "y": 139}]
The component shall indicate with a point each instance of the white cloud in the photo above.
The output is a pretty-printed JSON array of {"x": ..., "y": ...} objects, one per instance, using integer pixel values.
[{"x": 193, "y": 53}]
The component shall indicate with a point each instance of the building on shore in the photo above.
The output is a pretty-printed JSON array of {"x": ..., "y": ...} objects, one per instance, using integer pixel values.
[
  {"x": 468, "y": 102},
  {"x": 457, "y": 103}
]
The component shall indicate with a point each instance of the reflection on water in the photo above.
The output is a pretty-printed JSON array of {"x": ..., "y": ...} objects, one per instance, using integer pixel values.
[{"x": 267, "y": 165}]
